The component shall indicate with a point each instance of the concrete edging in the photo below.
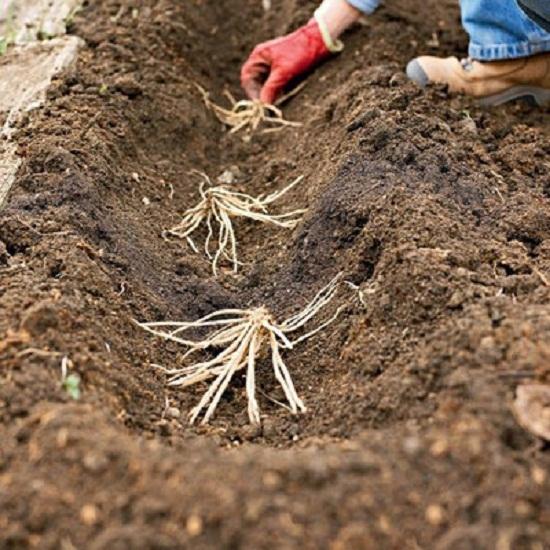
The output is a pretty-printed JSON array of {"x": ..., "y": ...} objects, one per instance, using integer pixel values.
[{"x": 27, "y": 69}]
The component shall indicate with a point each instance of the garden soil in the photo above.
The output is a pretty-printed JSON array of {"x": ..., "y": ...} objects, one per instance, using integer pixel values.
[{"x": 437, "y": 210}]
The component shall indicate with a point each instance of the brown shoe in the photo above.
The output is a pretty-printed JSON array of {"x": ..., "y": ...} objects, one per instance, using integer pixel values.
[{"x": 493, "y": 82}]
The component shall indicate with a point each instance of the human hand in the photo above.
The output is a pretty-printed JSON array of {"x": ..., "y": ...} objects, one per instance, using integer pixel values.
[{"x": 273, "y": 64}]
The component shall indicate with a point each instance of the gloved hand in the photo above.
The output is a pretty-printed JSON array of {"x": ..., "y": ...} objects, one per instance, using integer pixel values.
[{"x": 272, "y": 65}]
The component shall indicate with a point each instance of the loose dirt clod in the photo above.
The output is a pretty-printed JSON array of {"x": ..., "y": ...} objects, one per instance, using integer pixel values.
[
  {"x": 247, "y": 114},
  {"x": 244, "y": 334},
  {"x": 221, "y": 204},
  {"x": 532, "y": 409}
]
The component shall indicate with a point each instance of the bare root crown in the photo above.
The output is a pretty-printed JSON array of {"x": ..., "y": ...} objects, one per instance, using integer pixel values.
[
  {"x": 242, "y": 334},
  {"x": 218, "y": 206},
  {"x": 247, "y": 114}
]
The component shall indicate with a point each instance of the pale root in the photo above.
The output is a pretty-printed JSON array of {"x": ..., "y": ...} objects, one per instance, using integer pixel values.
[
  {"x": 218, "y": 206},
  {"x": 242, "y": 335},
  {"x": 247, "y": 114}
]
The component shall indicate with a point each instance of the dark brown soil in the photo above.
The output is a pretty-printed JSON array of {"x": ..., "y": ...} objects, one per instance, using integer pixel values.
[{"x": 439, "y": 210}]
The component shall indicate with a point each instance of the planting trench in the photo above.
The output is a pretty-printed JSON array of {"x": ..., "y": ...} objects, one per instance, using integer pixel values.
[{"x": 438, "y": 210}]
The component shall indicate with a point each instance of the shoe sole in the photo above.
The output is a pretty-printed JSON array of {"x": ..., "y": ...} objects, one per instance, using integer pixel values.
[{"x": 541, "y": 96}]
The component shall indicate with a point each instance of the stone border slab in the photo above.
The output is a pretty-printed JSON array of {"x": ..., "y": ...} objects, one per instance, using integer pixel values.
[
  {"x": 27, "y": 71},
  {"x": 23, "y": 21},
  {"x": 9, "y": 164},
  {"x": 25, "y": 74}
]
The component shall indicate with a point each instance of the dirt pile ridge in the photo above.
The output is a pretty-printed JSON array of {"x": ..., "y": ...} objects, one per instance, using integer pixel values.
[{"x": 438, "y": 210}]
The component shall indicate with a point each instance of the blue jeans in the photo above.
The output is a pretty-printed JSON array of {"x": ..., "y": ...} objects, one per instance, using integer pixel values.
[{"x": 498, "y": 29}]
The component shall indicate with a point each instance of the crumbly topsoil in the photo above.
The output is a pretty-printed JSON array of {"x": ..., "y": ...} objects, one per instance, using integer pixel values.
[{"x": 438, "y": 210}]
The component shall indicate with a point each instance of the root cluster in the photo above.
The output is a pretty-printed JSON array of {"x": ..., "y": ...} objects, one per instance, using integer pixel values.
[
  {"x": 247, "y": 114},
  {"x": 218, "y": 206},
  {"x": 238, "y": 337},
  {"x": 243, "y": 334}
]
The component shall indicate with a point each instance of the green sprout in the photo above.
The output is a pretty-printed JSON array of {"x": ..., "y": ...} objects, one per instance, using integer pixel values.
[
  {"x": 3, "y": 45},
  {"x": 69, "y": 20},
  {"x": 70, "y": 383},
  {"x": 10, "y": 33}
]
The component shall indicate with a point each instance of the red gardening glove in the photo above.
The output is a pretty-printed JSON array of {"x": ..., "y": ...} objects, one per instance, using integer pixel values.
[{"x": 272, "y": 65}]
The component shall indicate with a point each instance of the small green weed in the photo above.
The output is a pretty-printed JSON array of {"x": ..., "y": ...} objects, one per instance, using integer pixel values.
[
  {"x": 70, "y": 383},
  {"x": 9, "y": 37}
]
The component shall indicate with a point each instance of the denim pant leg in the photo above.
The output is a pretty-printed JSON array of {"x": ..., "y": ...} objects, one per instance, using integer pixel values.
[
  {"x": 499, "y": 29},
  {"x": 366, "y": 6}
]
